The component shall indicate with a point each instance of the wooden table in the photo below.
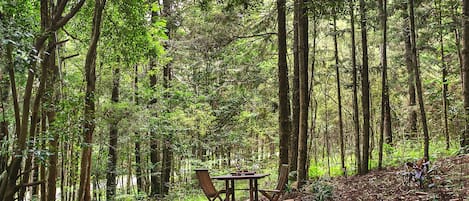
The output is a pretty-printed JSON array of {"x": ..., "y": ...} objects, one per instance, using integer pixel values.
[{"x": 230, "y": 184}]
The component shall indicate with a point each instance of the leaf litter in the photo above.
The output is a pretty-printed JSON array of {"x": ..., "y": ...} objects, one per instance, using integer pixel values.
[{"x": 449, "y": 181}]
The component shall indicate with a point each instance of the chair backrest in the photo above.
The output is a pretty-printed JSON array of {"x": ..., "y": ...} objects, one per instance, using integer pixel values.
[
  {"x": 282, "y": 178},
  {"x": 205, "y": 182}
]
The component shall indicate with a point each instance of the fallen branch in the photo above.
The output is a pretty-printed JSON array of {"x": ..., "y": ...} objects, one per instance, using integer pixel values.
[{"x": 421, "y": 193}]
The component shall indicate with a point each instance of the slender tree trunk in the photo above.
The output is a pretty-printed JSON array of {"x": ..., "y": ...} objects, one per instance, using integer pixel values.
[
  {"x": 155, "y": 159},
  {"x": 167, "y": 77},
  {"x": 356, "y": 118},
  {"x": 385, "y": 127},
  {"x": 154, "y": 147},
  {"x": 444, "y": 73},
  {"x": 365, "y": 90},
  {"x": 387, "y": 117},
  {"x": 326, "y": 146},
  {"x": 412, "y": 118},
  {"x": 284, "y": 101},
  {"x": 51, "y": 111},
  {"x": 418, "y": 82},
  {"x": 311, "y": 94},
  {"x": 46, "y": 68},
  {"x": 138, "y": 151},
  {"x": 42, "y": 169},
  {"x": 4, "y": 123},
  {"x": 84, "y": 193},
  {"x": 383, "y": 83},
  {"x": 113, "y": 138},
  {"x": 304, "y": 96},
  {"x": 458, "y": 48},
  {"x": 8, "y": 187},
  {"x": 339, "y": 98},
  {"x": 295, "y": 93},
  {"x": 312, "y": 130},
  {"x": 465, "y": 58}
]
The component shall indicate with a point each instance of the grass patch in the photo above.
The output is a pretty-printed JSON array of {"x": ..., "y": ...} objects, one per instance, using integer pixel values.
[{"x": 404, "y": 151}]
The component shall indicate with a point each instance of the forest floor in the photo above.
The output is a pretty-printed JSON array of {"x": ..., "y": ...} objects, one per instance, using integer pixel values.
[{"x": 450, "y": 183}]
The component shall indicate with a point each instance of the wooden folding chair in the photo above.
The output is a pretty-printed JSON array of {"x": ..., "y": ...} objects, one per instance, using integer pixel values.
[
  {"x": 206, "y": 184},
  {"x": 274, "y": 195}
]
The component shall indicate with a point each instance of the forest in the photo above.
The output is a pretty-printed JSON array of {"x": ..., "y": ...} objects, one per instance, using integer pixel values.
[{"x": 128, "y": 99}]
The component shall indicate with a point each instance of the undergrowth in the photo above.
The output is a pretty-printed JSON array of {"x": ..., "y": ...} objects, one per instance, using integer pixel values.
[{"x": 397, "y": 155}]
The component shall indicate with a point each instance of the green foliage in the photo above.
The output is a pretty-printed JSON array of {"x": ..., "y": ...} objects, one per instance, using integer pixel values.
[{"x": 321, "y": 190}]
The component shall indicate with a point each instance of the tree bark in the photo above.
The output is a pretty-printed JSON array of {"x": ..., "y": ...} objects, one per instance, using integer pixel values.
[
  {"x": 3, "y": 123},
  {"x": 365, "y": 90},
  {"x": 311, "y": 94},
  {"x": 155, "y": 158},
  {"x": 385, "y": 126},
  {"x": 113, "y": 138},
  {"x": 356, "y": 118},
  {"x": 418, "y": 82},
  {"x": 284, "y": 101},
  {"x": 412, "y": 118},
  {"x": 167, "y": 77},
  {"x": 339, "y": 98},
  {"x": 293, "y": 153},
  {"x": 51, "y": 112},
  {"x": 304, "y": 90},
  {"x": 138, "y": 151},
  {"x": 444, "y": 73},
  {"x": 42, "y": 168},
  {"x": 465, "y": 57},
  {"x": 84, "y": 193}
]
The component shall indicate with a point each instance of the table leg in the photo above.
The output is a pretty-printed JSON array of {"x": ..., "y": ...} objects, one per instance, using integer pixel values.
[
  {"x": 228, "y": 190},
  {"x": 256, "y": 198},
  {"x": 251, "y": 188},
  {"x": 233, "y": 190}
]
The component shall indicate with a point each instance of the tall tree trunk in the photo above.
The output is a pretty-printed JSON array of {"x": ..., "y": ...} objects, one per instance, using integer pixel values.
[
  {"x": 356, "y": 118},
  {"x": 444, "y": 73},
  {"x": 138, "y": 151},
  {"x": 465, "y": 58},
  {"x": 458, "y": 48},
  {"x": 42, "y": 169},
  {"x": 167, "y": 77},
  {"x": 365, "y": 90},
  {"x": 284, "y": 101},
  {"x": 155, "y": 158},
  {"x": 51, "y": 111},
  {"x": 385, "y": 127},
  {"x": 311, "y": 94},
  {"x": 47, "y": 67},
  {"x": 8, "y": 187},
  {"x": 304, "y": 96},
  {"x": 326, "y": 146},
  {"x": 4, "y": 188},
  {"x": 418, "y": 82},
  {"x": 295, "y": 93},
  {"x": 339, "y": 98},
  {"x": 84, "y": 193},
  {"x": 113, "y": 138},
  {"x": 3, "y": 123},
  {"x": 412, "y": 118}
]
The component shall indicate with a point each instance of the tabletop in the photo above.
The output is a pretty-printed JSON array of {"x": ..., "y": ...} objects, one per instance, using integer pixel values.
[{"x": 242, "y": 176}]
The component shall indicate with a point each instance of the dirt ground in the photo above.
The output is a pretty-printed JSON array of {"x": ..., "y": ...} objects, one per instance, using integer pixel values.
[{"x": 450, "y": 183}]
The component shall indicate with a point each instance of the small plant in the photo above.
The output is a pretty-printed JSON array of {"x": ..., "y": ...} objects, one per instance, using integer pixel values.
[{"x": 322, "y": 191}]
